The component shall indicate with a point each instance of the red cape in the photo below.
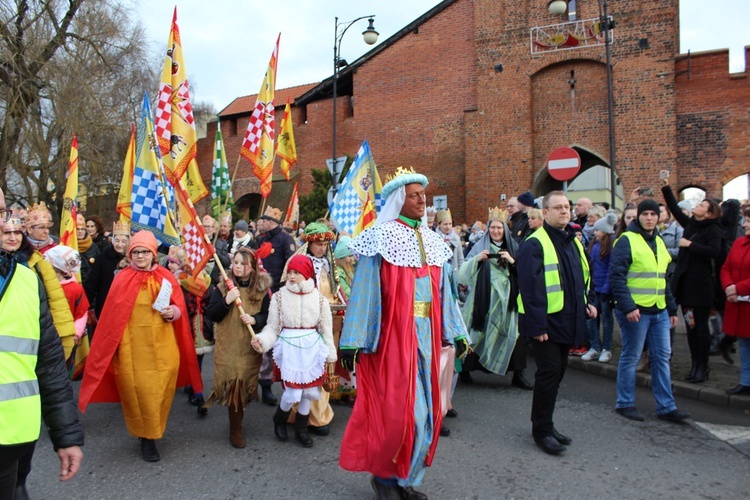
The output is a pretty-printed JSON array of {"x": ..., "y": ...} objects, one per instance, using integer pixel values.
[
  {"x": 98, "y": 384},
  {"x": 379, "y": 437}
]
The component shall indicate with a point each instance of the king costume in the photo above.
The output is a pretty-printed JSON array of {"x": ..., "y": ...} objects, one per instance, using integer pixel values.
[{"x": 401, "y": 311}]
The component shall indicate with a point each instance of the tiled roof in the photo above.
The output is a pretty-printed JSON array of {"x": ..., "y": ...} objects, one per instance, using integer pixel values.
[{"x": 244, "y": 104}]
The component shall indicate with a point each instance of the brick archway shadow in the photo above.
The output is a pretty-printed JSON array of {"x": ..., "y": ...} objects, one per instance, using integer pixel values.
[
  {"x": 544, "y": 183},
  {"x": 249, "y": 205}
]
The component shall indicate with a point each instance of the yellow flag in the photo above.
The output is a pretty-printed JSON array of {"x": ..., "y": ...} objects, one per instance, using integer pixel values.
[
  {"x": 285, "y": 148},
  {"x": 126, "y": 184},
  {"x": 69, "y": 211},
  {"x": 174, "y": 121}
]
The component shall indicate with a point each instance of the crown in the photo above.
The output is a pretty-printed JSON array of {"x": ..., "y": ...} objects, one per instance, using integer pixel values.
[
  {"x": 14, "y": 224},
  {"x": 274, "y": 214},
  {"x": 121, "y": 229},
  {"x": 38, "y": 214},
  {"x": 498, "y": 214},
  {"x": 444, "y": 215},
  {"x": 398, "y": 173}
]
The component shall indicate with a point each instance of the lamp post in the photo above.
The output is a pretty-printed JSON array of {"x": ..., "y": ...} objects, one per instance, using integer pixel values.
[
  {"x": 370, "y": 36},
  {"x": 558, "y": 7}
]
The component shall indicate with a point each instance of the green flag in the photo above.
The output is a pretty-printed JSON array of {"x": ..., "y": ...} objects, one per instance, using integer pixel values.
[{"x": 221, "y": 192}]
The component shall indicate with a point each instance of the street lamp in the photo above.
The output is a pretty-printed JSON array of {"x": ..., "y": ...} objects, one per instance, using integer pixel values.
[
  {"x": 370, "y": 36},
  {"x": 558, "y": 7}
]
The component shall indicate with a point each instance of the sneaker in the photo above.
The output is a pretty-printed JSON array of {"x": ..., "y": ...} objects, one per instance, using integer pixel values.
[
  {"x": 577, "y": 351},
  {"x": 590, "y": 355},
  {"x": 605, "y": 356}
]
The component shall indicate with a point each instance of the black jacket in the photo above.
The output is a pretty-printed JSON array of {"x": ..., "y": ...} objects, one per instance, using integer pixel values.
[
  {"x": 283, "y": 247},
  {"x": 694, "y": 279},
  {"x": 59, "y": 409},
  {"x": 100, "y": 277},
  {"x": 519, "y": 226},
  {"x": 619, "y": 265},
  {"x": 217, "y": 309},
  {"x": 568, "y": 326}
]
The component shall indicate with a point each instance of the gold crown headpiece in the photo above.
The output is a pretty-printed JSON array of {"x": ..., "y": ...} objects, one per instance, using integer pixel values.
[
  {"x": 38, "y": 214},
  {"x": 398, "y": 173},
  {"x": 121, "y": 229},
  {"x": 498, "y": 214},
  {"x": 444, "y": 215},
  {"x": 14, "y": 224}
]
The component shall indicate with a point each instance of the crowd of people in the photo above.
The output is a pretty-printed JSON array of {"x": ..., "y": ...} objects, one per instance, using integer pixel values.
[{"x": 347, "y": 320}]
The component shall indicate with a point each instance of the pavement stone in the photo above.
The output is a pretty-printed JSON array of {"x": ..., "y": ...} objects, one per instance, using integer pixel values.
[{"x": 722, "y": 376}]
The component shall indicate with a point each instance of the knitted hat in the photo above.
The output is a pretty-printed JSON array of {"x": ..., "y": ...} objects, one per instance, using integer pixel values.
[
  {"x": 526, "y": 199},
  {"x": 606, "y": 224},
  {"x": 342, "y": 248},
  {"x": 576, "y": 228},
  {"x": 241, "y": 225},
  {"x": 63, "y": 258},
  {"x": 302, "y": 264},
  {"x": 143, "y": 239},
  {"x": 317, "y": 231},
  {"x": 38, "y": 214},
  {"x": 646, "y": 205}
]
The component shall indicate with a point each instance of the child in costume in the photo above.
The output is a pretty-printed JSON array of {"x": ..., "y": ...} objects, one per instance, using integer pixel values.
[
  {"x": 66, "y": 263},
  {"x": 299, "y": 331}
]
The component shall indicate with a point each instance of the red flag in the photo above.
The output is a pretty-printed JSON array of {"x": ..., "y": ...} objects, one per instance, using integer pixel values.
[{"x": 197, "y": 251}]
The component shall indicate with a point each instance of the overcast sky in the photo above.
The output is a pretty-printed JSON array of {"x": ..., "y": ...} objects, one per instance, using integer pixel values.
[{"x": 227, "y": 43}]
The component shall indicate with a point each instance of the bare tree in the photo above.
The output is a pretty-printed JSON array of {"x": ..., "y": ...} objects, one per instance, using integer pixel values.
[{"x": 90, "y": 82}]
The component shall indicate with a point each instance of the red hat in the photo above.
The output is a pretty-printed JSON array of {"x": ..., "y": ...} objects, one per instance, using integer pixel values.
[
  {"x": 144, "y": 239},
  {"x": 302, "y": 264}
]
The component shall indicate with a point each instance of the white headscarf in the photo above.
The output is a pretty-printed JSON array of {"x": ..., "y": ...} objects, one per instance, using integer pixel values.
[{"x": 64, "y": 258}]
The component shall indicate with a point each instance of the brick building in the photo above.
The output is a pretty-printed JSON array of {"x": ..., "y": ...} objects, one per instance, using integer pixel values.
[{"x": 464, "y": 95}]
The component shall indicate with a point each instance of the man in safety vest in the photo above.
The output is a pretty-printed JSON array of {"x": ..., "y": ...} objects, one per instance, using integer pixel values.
[
  {"x": 645, "y": 312},
  {"x": 554, "y": 285},
  {"x": 33, "y": 378}
]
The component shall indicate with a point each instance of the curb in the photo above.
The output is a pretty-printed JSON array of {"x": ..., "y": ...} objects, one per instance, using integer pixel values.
[{"x": 708, "y": 395}]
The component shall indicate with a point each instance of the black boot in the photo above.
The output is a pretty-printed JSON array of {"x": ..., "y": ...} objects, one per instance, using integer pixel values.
[
  {"x": 520, "y": 381},
  {"x": 725, "y": 349},
  {"x": 279, "y": 423},
  {"x": 300, "y": 431},
  {"x": 701, "y": 373},
  {"x": 149, "y": 451},
  {"x": 266, "y": 394},
  {"x": 693, "y": 369}
]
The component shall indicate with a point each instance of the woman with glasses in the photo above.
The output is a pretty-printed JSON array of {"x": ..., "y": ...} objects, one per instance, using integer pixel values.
[
  {"x": 38, "y": 223},
  {"x": 146, "y": 349}
]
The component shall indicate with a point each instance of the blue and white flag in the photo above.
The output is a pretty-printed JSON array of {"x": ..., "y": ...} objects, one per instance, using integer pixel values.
[{"x": 357, "y": 202}]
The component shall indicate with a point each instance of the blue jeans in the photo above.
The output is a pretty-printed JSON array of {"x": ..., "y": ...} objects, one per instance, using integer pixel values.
[
  {"x": 744, "y": 360},
  {"x": 654, "y": 330},
  {"x": 602, "y": 304}
]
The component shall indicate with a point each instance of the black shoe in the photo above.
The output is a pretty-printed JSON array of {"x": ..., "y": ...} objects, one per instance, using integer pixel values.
[
  {"x": 701, "y": 374},
  {"x": 300, "y": 430},
  {"x": 323, "y": 430},
  {"x": 20, "y": 493},
  {"x": 190, "y": 395},
  {"x": 631, "y": 413},
  {"x": 549, "y": 444},
  {"x": 465, "y": 377},
  {"x": 562, "y": 439},
  {"x": 451, "y": 413},
  {"x": 693, "y": 369},
  {"x": 384, "y": 491},
  {"x": 279, "y": 424},
  {"x": 149, "y": 451},
  {"x": 520, "y": 381},
  {"x": 675, "y": 416},
  {"x": 201, "y": 404},
  {"x": 725, "y": 349},
  {"x": 739, "y": 389},
  {"x": 410, "y": 493},
  {"x": 444, "y": 431},
  {"x": 266, "y": 393}
]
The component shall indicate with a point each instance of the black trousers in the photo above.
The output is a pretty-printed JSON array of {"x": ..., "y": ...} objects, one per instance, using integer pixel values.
[
  {"x": 551, "y": 362},
  {"x": 9, "y": 458},
  {"x": 699, "y": 336}
]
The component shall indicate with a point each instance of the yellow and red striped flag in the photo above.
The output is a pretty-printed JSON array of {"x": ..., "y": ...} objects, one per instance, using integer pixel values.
[
  {"x": 292, "y": 211},
  {"x": 126, "y": 184},
  {"x": 197, "y": 251},
  {"x": 70, "y": 198},
  {"x": 285, "y": 148},
  {"x": 257, "y": 145},
  {"x": 174, "y": 121}
]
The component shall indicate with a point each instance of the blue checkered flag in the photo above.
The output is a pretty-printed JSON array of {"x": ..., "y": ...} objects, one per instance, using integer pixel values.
[{"x": 357, "y": 201}]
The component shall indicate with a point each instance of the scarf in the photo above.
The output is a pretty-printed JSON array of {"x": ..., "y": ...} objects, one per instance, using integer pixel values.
[
  {"x": 40, "y": 244},
  {"x": 85, "y": 244}
]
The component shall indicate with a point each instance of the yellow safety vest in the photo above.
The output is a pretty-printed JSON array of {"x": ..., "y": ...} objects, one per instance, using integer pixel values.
[
  {"x": 647, "y": 275},
  {"x": 552, "y": 279},
  {"x": 20, "y": 404}
]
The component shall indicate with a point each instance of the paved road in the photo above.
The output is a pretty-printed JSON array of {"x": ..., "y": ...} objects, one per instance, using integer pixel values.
[{"x": 489, "y": 454}]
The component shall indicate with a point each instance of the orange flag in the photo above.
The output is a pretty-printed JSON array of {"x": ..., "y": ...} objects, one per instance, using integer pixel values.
[
  {"x": 257, "y": 145},
  {"x": 70, "y": 198},
  {"x": 285, "y": 148}
]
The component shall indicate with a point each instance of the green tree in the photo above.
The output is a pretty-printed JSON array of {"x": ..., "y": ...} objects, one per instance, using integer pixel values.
[{"x": 315, "y": 205}]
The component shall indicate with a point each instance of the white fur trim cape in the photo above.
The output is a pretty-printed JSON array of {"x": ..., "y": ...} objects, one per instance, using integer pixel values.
[{"x": 398, "y": 245}]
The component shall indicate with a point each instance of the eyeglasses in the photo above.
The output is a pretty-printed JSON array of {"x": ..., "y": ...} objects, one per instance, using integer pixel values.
[
  {"x": 40, "y": 228},
  {"x": 140, "y": 252},
  {"x": 5, "y": 215}
]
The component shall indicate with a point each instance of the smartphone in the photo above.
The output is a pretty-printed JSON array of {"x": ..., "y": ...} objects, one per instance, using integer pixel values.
[
  {"x": 646, "y": 192},
  {"x": 663, "y": 174}
]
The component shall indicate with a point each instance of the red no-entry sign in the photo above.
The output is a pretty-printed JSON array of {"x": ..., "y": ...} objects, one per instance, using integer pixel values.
[{"x": 563, "y": 163}]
